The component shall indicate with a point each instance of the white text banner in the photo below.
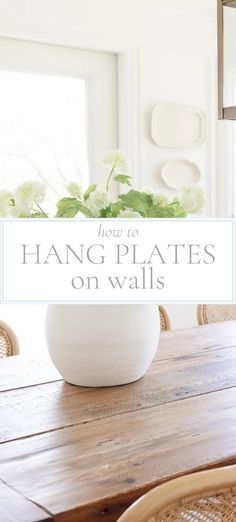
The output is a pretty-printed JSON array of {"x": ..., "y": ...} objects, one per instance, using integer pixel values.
[{"x": 128, "y": 260}]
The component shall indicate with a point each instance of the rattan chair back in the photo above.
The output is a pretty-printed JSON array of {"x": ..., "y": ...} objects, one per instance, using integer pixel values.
[
  {"x": 213, "y": 313},
  {"x": 207, "y": 496},
  {"x": 8, "y": 341}
]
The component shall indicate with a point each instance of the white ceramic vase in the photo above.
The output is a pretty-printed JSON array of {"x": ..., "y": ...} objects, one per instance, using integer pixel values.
[{"x": 102, "y": 345}]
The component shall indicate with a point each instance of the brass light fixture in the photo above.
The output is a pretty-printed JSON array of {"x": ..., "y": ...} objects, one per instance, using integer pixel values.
[{"x": 227, "y": 59}]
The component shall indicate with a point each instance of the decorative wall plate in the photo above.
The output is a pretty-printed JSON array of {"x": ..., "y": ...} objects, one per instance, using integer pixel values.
[
  {"x": 180, "y": 173},
  {"x": 178, "y": 126}
]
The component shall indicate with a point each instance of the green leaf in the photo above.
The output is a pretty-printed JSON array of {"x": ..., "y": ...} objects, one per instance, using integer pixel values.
[
  {"x": 105, "y": 212},
  {"x": 176, "y": 210},
  {"x": 69, "y": 207},
  {"x": 112, "y": 210},
  {"x": 38, "y": 215},
  {"x": 173, "y": 210},
  {"x": 116, "y": 208},
  {"x": 124, "y": 179},
  {"x": 137, "y": 201},
  {"x": 89, "y": 191}
]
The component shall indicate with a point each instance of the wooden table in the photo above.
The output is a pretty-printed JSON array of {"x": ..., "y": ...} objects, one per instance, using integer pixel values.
[{"x": 80, "y": 454}]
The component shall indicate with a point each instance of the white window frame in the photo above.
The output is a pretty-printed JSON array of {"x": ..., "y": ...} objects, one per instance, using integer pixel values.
[{"x": 129, "y": 110}]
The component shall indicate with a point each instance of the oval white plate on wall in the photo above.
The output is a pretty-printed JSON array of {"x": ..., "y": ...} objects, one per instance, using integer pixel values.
[
  {"x": 180, "y": 173},
  {"x": 178, "y": 126}
]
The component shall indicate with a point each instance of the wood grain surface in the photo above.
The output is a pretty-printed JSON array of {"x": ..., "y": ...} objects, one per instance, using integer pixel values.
[
  {"x": 20, "y": 372},
  {"x": 85, "y": 454},
  {"x": 15, "y": 508}
]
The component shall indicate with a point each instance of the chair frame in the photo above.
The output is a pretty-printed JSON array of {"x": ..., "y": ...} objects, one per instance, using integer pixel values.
[
  {"x": 200, "y": 315},
  {"x": 165, "y": 316},
  {"x": 203, "y": 482},
  {"x": 12, "y": 336}
]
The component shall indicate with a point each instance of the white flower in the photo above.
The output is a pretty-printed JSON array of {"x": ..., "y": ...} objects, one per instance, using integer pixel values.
[
  {"x": 115, "y": 159},
  {"x": 160, "y": 199},
  {"x": 75, "y": 189},
  {"x": 26, "y": 195},
  {"x": 21, "y": 211},
  {"x": 193, "y": 199},
  {"x": 5, "y": 202},
  {"x": 30, "y": 191},
  {"x": 129, "y": 214},
  {"x": 98, "y": 200}
]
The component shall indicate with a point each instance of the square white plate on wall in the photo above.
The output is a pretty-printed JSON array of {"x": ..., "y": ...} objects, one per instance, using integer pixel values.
[{"x": 178, "y": 126}]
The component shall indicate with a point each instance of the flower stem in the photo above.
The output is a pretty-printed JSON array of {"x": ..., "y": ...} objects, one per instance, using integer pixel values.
[
  {"x": 40, "y": 208},
  {"x": 109, "y": 178}
]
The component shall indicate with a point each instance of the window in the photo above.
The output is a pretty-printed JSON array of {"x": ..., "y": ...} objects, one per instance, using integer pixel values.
[
  {"x": 58, "y": 108},
  {"x": 58, "y": 115}
]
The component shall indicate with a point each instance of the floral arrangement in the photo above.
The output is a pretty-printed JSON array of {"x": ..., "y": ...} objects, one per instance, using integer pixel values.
[{"x": 28, "y": 199}]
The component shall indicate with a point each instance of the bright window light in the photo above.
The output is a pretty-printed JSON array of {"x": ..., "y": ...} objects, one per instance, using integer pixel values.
[{"x": 43, "y": 130}]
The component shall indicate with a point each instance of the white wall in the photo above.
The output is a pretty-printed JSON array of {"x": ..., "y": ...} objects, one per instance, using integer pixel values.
[
  {"x": 175, "y": 42},
  {"x": 176, "y": 51}
]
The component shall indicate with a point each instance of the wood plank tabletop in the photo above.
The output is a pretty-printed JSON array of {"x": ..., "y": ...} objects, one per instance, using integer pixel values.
[{"x": 81, "y": 454}]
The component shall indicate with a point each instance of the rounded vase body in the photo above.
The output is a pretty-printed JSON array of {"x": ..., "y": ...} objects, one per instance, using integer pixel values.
[{"x": 102, "y": 345}]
